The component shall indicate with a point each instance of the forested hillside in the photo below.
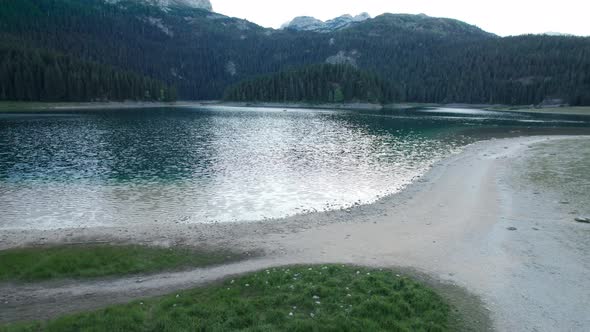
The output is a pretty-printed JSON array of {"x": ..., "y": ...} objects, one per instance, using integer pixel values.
[
  {"x": 32, "y": 75},
  {"x": 423, "y": 59},
  {"x": 316, "y": 83}
]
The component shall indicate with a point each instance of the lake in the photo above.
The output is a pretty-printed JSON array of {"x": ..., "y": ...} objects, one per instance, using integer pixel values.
[{"x": 220, "y": 164}]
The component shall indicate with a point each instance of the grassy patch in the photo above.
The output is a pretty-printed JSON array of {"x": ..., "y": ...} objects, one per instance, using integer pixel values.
[
  {"x": 35, "y": 264},
  {"x": 13, "y": 106},
  {"x": 318, "y": 298}
]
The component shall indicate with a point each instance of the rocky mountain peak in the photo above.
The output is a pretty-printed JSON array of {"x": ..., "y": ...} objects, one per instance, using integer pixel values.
[
  {"x": 166, "y": 4},
  {"x": 361, "y": 17},
  {"x": 308, "y": 23}
]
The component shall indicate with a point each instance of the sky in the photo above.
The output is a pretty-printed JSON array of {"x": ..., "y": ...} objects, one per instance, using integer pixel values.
[{"x": 502, "y": 17}]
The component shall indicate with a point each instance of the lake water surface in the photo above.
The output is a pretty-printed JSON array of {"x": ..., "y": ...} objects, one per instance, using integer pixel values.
[{"x": 218, "y": 164}]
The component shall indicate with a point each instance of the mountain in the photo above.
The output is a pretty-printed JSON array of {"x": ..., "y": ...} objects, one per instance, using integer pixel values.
[
  {"x": 424, "y": 24},
  {"x": 167, "y": 4},
  {"x": 201, "y": 53},
  {"x": 307, "y": 23}
]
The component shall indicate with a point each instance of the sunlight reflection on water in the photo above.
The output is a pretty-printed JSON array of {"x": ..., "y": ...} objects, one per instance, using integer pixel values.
[{"x": 108, "y": 168}]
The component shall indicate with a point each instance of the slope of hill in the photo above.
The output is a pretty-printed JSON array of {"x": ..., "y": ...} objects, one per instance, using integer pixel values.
[
  {"x": 316, "y": 83},
  {"x": 33, "y": 75},
  {"x": 166, "y": 4}
]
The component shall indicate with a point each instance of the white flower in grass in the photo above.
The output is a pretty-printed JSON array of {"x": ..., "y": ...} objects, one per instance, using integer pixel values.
[
  {"x": 315, "y": 297},
  {"x": 290, "y": 314},
  {"x": 312, "y": 315},
  {"x": 247, "y": 285}
]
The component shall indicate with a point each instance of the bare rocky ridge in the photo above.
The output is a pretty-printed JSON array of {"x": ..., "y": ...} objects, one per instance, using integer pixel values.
[
  {"x": 307, "y": 23},
  {"x": 166, "y": 4}
]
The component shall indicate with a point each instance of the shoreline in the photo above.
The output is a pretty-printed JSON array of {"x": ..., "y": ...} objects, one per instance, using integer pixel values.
[
  {"x": 451, "y": 225},
  {"x": 15, "y": 107},
  {"x": 577, "y": 110}
]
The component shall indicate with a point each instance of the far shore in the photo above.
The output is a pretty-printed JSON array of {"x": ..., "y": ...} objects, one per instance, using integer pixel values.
[
  {"x": 72, "y": 106},
  {"x": 14, "y": 107},
  {"x": 566, "y": 110}
]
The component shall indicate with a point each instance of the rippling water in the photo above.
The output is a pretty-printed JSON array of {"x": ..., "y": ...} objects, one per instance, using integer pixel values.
[{"x": 104, "y": 168}]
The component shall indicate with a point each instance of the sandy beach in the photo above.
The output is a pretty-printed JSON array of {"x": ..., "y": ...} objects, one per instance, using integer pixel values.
[{"x": 483, "y": 220}]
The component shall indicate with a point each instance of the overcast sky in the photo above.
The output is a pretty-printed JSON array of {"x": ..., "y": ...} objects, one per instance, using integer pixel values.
[{"x": 502, "y": 17}]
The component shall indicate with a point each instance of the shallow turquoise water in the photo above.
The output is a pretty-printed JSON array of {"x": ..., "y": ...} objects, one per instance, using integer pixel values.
[{"x": 113, "y": 167}]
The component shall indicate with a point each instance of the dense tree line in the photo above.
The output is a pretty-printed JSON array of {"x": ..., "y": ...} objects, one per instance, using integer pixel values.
[
  {"x": 513, "y": 70},
  {"x": 31, "y": 75},
  {"x": 455, "y": 64},
  {"x": 424, "y": 59},
  {"x": 316, "y": 83}
]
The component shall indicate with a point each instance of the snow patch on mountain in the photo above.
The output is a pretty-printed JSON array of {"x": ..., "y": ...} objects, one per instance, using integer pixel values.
[
  {"x": 344, "y": 58},
  {"x": 157, "y": 22}
]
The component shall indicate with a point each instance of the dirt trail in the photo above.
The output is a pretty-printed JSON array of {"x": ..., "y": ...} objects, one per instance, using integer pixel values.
[{"x": 453, "y": 225}]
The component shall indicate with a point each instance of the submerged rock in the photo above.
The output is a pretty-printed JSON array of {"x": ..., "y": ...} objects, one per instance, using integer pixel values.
[{"x": 583, "y": 220}]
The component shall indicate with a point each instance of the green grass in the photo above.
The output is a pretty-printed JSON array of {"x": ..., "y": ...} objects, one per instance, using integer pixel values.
[
  {"x": 7, "y": 106},
  {"x": 24, "y": 106},
  {"x": 44, "y": 263},
  {"x": 317, "y": 298}
]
